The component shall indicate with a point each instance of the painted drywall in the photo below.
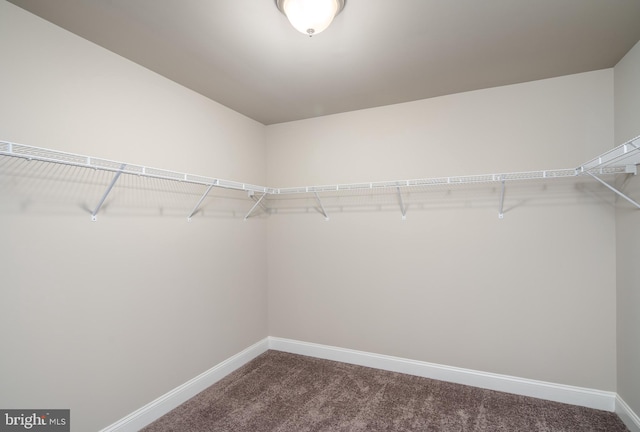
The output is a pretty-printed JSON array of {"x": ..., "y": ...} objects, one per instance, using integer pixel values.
[
  {"x": 103, "y": 317},
  {"x": 627, "y": 126},
  {"x": 531, "y": 295}
]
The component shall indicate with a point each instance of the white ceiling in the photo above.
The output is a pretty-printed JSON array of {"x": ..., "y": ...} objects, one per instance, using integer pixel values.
[{"x": 244, "y": 53}]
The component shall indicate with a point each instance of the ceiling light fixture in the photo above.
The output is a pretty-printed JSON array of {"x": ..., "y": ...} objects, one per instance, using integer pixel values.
[{"x": 310, "y": 16}]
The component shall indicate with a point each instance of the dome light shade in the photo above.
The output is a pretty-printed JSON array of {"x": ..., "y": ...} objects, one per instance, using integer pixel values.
[{"x": 310, "y": 16}]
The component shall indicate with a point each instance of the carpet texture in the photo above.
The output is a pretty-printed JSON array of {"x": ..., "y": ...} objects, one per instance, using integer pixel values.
[{"x": 278, "y": 392}]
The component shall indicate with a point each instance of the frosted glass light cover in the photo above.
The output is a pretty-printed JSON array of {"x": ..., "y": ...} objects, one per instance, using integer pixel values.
[{"x": 310, "y": 16}]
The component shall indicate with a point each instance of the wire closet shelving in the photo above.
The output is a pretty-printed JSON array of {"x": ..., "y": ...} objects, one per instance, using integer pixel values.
[{"x": 622, "y": 159}]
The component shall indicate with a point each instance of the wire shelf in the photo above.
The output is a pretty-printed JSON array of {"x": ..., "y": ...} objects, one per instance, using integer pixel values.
[
  {"x": 54, "y": 156},
  {"x": 621, "y": 159},
  {"x": 436, "y": 181}
]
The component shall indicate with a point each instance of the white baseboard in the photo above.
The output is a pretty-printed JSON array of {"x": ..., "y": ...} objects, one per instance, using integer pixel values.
[
  {"x": 626, "y": 414},
  {"x": 590, "y": 398},
  {"x": 598, "y": 399},
  {"x": 165, "y": 403}
]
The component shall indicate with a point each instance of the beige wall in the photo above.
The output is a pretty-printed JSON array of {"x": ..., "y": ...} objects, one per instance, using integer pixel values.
[
  {"x": 103, "y": 317},
  {"x": 627, "y": 126},
  {"x": 531, "y": 295}
]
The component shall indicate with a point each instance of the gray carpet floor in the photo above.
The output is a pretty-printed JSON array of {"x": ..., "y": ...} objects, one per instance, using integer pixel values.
[{"x": 278, "y": 392}]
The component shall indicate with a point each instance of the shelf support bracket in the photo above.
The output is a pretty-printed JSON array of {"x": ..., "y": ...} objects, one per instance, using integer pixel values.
[
  {"x": 324, "y": 212},
  {"x": 403, "y": 209},
  {"x": 614, "y": 189},
  {"x": 255, "y": 205},
  {"x": 94, "y": 213},
  {"x": 195, "y": 209},
  {"x": 501, "y": 210},
  {"x": 630, "y": 171},
  {"x": 253, "y": 197}
]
